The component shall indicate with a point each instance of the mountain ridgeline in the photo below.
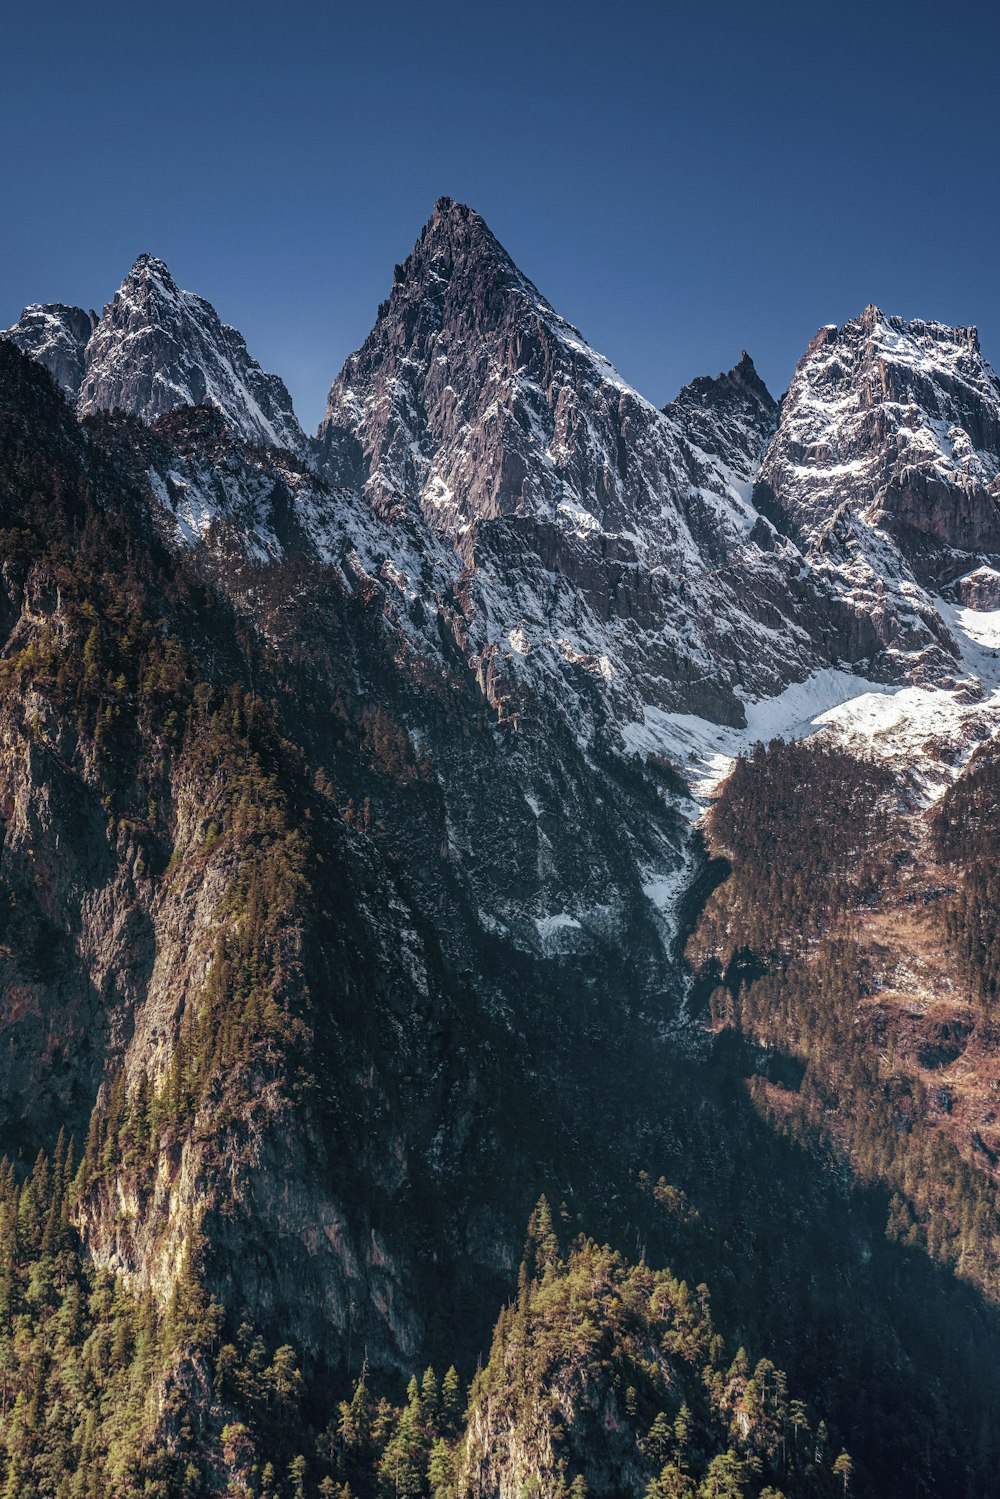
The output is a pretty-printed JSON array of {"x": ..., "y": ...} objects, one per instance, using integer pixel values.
[{"x": 390, "y": 860}]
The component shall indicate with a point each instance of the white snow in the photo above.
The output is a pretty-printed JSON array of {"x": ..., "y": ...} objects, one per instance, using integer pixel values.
[
  {"x": 705, "y": 751},
  {"x": 982, "y": 626},
  {"x": 151, "y": 319},
  {"x": 549, "y": 925},
  {"x": 926, "y": 733}
]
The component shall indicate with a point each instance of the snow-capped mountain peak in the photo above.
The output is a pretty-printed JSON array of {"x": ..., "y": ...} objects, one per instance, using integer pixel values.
[
  {"x": 157, "y": 347},
  {"x": 901, "y": 422},
  {"x": 474, "y": 400},
  {"x": 585, "y": 546},
  {"x": 56, "y": 336}
]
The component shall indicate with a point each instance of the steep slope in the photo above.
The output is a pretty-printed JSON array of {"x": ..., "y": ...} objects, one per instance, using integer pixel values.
[
  {"x": 883, "y": 476},
  {"x": 899, "y": 422},
  {"x": 473, "y": 394},
  {"x": 157, "y": 347},
  {"x": 56, "y": 336},
  {"x": 468, "y": 950},
  {"x": 345, "y": 878},
  {"x": 886, "y": 468},
  {"x": 154, "y": 348},
  {"x": 728, "y": 422},
  {"x": 599, "y": 532}
]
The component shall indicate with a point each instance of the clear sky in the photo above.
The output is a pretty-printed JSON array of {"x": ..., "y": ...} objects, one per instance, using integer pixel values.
[{"x": 681, "y": 181}]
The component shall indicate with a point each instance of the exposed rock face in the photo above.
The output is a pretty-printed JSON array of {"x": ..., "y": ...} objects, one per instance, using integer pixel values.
[
  {"x": 509, "y": 586},
  {"x": 476, "y": 449},
  {"x": 478, "y": 909},
  {"x": 155, "y": 348},
  {"x": 691, "y": 560},
  {"x": 900, "y": 422},
  {"x": 474, "y": 396},
  {"x": 886, "y": 470},
  {"x": 598, "y": 530},
  {"x": 523, "y": 536},
  {"x": 57, "y": 337},
  {"x": 729, "y": 422},
  {"x": 978, "y": 589}
]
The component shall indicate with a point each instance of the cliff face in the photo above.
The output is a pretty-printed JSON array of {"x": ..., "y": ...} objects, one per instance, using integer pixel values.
[
  {"x": 596, "y": 529},
  {"x": 440, "y": 952},
  {"x": 56, "y": 336},
  {"x": 344, "y": 865},
  {"x": 899, "y": 421},
  {"x": 156, "y": 347},
  {"x": 886, "y": 467},
  {"x": 473, "y": 394}
]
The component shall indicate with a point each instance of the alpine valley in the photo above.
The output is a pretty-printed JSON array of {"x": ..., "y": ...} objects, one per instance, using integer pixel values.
[{"x": 499, "y": 973}]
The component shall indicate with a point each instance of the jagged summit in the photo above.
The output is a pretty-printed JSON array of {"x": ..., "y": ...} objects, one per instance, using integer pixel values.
[
  {"x": 154, "y": 348},
  {"x": 697, "y": 556},
  {"x": 150, "y": 280},
  {"x": 456, "y": 233},
  {"x": 150, "y": 267},
  {"x": 474, "y": 399},
  {"x": 456, "y": 245},
  {"x": 881, "y": 328},
  {"x": 56, "y": 336},
  {"x": 157, "y": 347},
  {"x": 728, "y": 421},
  {"x": 742, "y": 380},
  {"x": 578, "y": 503},
  {"x": 900, "y": 421}
]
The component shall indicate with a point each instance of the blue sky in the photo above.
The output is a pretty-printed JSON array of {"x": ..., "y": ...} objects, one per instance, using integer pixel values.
[{"x": 681, "y": 181}]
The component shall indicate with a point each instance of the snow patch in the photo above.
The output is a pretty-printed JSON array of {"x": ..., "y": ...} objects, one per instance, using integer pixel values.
[{"x": 549, "y": 925}]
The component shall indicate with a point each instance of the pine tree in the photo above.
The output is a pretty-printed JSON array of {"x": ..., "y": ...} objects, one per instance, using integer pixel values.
[{"x": 451, "y": 1400}]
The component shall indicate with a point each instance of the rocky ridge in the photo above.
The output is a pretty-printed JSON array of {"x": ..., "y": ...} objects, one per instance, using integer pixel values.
[
  {"x": 493, "y": 605},
  {"x": 154, "y": 348}
]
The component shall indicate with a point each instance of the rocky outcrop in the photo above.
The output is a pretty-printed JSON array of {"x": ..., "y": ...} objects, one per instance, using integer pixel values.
[
  {"x": 472, "y": 888},
  {"x": 597, "y": 531},
  {"x": 472, "y": 395},
  {"x": 155, "y": 348},
  {"x": 56, "y": 336},
  {"x": 480, "y": 628},
  {"x": 588, "y": 549},
  {"x": 897, "y": 423}
]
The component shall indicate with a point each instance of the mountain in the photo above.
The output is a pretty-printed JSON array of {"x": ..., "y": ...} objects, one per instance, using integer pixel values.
[
  {"x": 575, "y": 501},
  {"x": 358, "y": 888},
  {"x": 730, "y": 551},
  {"x": 472, "y": 394},
  {"x": 154, "y": 348},
  {"x": 887, "y": 467},
  {"x": 56, "y": 335},
  {"x": 899, "y": 423}
]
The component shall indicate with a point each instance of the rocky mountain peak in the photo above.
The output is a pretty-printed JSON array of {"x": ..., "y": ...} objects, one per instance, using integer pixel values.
[
  {"x": 456, "y": 236},
  {"x": 157, "y": 347},
  {"x": 885, "y": 469},
  {"x": 889, "y": 417},
  {"x": 474, "y": 400},
  {"x": 56, "y": 336},
  {"x": 728, "y": 421},
  {"x": 149, "y": 269},
  {"x": 739, "y": 387},
  {"x": 744, "y": 373}
]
